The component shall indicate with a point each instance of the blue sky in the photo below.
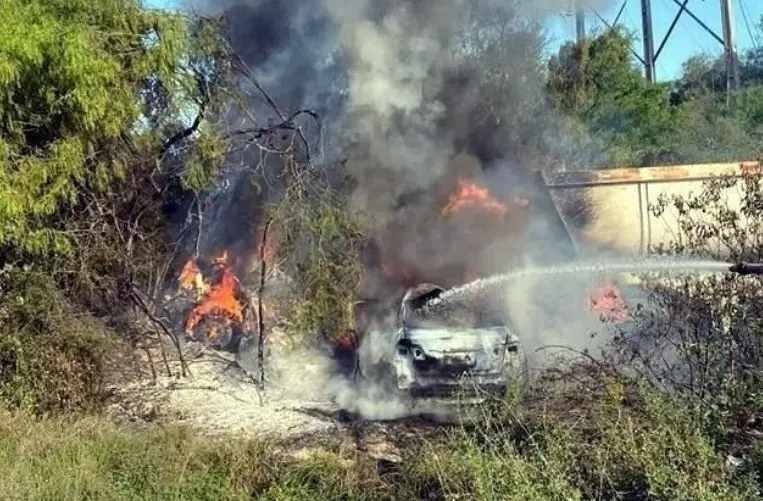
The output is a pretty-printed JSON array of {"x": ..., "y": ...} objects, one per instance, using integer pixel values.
[{"x": 688, "y": 37}]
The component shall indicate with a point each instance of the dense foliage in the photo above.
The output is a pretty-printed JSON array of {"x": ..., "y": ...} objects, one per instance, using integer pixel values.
[
  {"x": 614, "y": 117},
  {"x": 322, "y": 238},
  {"x": 104, "y": 124},
  {"x": 87, "y": 91}
]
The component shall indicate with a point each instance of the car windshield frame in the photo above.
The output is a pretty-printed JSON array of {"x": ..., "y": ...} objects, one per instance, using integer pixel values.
[{"x": 467, "y": 317}]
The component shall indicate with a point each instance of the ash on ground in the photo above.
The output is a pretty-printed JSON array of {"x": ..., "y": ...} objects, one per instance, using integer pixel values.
[{"x": 218, "y": 397}]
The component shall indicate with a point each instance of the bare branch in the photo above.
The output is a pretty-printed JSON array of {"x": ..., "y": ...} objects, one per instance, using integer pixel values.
[
  {"x": 136, "y": 298},
  {"x": 250, "y": 76},
  {"x": 260, "y": 292}
]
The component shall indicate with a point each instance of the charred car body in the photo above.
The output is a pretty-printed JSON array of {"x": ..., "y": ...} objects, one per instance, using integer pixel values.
[{"x": 466, "y": 350}]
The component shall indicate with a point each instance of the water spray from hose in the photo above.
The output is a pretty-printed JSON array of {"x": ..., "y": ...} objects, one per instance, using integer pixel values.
[{"x": 643, "y": 265}]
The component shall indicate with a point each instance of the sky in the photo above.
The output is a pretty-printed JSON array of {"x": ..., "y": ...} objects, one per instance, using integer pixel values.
[{"x": 688, "y": 38}]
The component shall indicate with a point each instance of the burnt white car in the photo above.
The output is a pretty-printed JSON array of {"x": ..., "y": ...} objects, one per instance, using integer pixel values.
[{"x": 465, "y": 351}]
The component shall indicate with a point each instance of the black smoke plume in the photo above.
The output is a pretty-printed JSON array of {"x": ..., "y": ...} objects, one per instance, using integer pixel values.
[{"x": 412, "y": 95}]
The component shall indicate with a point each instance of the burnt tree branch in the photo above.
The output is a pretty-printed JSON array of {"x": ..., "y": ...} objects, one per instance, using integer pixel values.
[
  {"x": 203, "y": 102},
  {"x": 288, "y": 123},
  {"x": 244, "y": 68},
  {"x": 261, "y": 290},
  {"x": 183, "y": 134}
]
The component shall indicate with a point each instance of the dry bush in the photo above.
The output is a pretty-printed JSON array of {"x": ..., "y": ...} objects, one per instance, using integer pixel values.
[{"x": 699, "y": 334}]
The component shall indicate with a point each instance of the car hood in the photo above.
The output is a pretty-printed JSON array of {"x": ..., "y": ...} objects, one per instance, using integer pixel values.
[{"x": 439, "y": 341}]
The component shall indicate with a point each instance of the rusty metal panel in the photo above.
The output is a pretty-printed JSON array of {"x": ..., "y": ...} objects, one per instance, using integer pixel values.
[
  {"x": 665, "y": 173},
  {"x": 617, "y": 200}
]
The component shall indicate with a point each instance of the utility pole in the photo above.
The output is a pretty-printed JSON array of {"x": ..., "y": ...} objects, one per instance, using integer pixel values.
[
  {"x": 579, "y": 20},
  {"x": 648, "y": 36},
  {"x": 730, "y": 48}
]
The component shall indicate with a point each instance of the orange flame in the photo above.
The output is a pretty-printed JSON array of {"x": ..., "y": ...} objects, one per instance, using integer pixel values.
[
  {"x": 220, "y": 300},
  {"x": 221, "y": 260},
  {"x": 191, "y": 278},
  {"x": 469, "y": 194}
]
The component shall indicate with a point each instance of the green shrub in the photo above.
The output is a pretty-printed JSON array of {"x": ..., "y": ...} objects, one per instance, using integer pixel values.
[
  {"x": 602, "y": 440},
  {"x": 467, "y": 468},
  {"x": 320, "y": 237},
  {"x": 52, "y": 358},
  {"x": 327, "y": 476},
  {"x": 652, "y": 448}
]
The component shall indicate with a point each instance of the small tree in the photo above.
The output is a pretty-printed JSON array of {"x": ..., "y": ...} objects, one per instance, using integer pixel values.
[{"x": 320, "y": 238}]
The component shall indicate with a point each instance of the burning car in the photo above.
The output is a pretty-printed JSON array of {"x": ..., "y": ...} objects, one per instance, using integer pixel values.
[{"x": 468, "y": 349}]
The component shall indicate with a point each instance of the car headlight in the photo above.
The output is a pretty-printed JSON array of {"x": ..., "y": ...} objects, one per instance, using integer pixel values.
[{"x": 416, "y": 351}]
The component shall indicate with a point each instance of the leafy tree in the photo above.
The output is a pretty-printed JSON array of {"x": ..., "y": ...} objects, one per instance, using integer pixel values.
[
  {"x": 105, "y": 112},
  {"x": 89, "y": 92},
  {"x": 596, "y": 82},
  {"x": 752, "y": 64},
  {"x": 712, "y": 130},
  {"x": 106, "y": 124},
  {"x": 701, "y": 75}
]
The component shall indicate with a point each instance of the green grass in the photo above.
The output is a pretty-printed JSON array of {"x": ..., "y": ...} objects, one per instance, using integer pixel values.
[
  {"x": 90, "y": 458},
  {"x": 597, "y": 445}
]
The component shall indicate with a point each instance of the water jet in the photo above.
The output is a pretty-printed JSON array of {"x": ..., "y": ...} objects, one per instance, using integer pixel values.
[{"x": 672, "y": 265}]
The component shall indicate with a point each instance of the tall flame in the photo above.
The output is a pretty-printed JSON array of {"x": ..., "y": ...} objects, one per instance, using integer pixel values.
[
  {"x": 220, "y": 300},
  {"x": 191, "y": 278}
]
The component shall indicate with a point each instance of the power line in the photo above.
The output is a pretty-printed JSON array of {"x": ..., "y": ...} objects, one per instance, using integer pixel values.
[
  {"x": 650, "y": 59},
  {"x": 753, "y": 38}
]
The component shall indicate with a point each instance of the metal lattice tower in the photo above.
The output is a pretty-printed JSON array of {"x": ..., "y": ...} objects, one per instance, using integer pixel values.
[{"x": 650, "y": 55}]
